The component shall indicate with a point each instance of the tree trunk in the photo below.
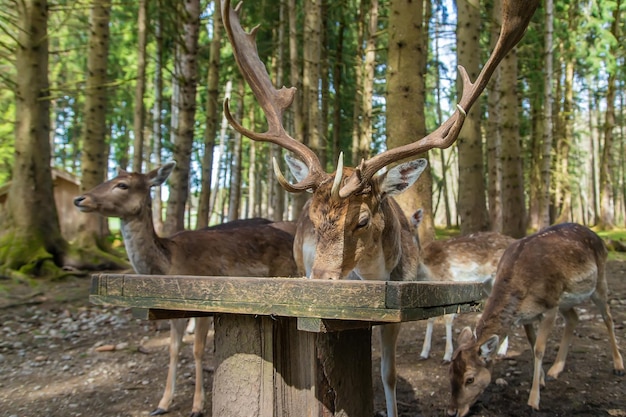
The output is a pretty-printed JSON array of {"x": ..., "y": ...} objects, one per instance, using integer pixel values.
[
  {"x": 513, "y": 203},
  {"x": 297, "y": 106},
  {"x": 369, "y": 70},
  {"x": 139, "y": 113},
  {"x": 31, "y": 236},
  {"x": 357, "y": 108},
  {"x": 405, "y": 100},
  {"x": 494, "y": 137},
  {"x": 543, "y": 204},
  {"x": 213, "y": 109},
  {"x": 472, "y": 208},
  {"x": 94, "y": 228},
  {"x": 157, "y": 119},
  {"x": 311, "y": 76},
  {"x": 185, "y": 72},
  {"x": 607, "y": 207},
  {"x": 235, "y": 175}
]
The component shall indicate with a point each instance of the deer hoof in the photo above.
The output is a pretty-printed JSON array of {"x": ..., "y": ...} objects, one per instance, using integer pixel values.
[
  {"x": 196, "y": 414},
  {"x": 158, "y": 412},
  {"x": 618, "y": 372}
]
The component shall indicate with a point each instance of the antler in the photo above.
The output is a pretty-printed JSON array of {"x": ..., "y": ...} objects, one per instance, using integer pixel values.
[
  {"x": 516, "y": 15},
  {"x": 273, "y": 102}
]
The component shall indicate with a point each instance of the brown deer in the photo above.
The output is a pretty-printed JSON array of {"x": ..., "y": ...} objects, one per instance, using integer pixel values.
[
  {"x": 351, "y": 226},
  {"x": 467, "y": 258},
  {"x": 247, "y": 248},
  {"x": 550, "y": 271}
]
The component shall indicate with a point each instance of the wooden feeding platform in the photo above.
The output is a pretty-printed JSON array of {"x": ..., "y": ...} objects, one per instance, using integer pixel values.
[{"x": 288, "y": 346}]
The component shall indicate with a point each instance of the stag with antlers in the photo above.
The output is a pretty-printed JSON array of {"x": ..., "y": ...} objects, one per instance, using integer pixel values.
[{"x": 351, "y": 226}]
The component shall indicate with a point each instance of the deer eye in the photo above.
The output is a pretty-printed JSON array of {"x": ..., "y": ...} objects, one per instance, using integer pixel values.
[
  {"x": 364, "y": 220},
  {"x": 122, "y": 186},
  {"x": 469, "y": 381}
]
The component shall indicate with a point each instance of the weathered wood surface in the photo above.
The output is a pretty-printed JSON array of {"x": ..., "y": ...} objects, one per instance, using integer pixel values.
[{"x": 372, "y": 301}]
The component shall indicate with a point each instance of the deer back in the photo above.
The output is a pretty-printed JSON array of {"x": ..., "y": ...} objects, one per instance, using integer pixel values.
[{"x": 472, "y": 257}]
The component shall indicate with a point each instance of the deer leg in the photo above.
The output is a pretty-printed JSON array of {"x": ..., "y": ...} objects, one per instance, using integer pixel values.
[
  {"x": 545, "y": 327},
  {"x": 449, "y": 319},
  {"x": 428, "y": 336},
  {"x": 388, "y": 339},
  {"x": 199, "y": 343},
  {"x": 177, "y": 329},
  {"x": 600, "y": 301},
  {"x": 571, "y": 320},
  {"x": 531, "y": 335}
]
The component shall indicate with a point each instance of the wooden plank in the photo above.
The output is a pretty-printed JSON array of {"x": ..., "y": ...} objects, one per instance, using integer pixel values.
[{"x": 376, "y": 301}]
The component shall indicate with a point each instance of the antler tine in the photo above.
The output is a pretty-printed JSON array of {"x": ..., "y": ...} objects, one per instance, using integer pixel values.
[
  {"x": 516, "y": 15},
  {"x": 273, "y": 102}
]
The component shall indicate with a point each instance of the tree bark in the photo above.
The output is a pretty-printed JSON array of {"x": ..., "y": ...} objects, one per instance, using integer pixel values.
[
  {"x": 94, "y": 228},
  {"x": 543, "y": 206},
  {"x": 472, "y": 207},
  {"x": 405, "y": 100},
  {"x": 31, "y": 236},
  {"x": 139, "y": 112},
  {"x": 513, "y": 202},
  {"x": 213, "y": 110},
  {"x": 185, "y": 72},
  {"x": 607, "y": 203}
]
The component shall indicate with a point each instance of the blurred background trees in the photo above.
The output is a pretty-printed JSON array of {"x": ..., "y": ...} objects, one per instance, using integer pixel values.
[{"x": 91, "y": 86}]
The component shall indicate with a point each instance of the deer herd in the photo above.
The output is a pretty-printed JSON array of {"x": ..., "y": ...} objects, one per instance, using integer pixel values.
[{"x": 352, "y": 228}]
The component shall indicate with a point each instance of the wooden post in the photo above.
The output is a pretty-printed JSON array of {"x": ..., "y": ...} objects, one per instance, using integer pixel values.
[{"x": 267, "y": 367}]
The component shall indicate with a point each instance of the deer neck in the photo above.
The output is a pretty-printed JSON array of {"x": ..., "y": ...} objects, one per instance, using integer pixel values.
[
  {"x": 402, "y": 255},
  {"x": 497, "y": 318},
  {"x": 148, "y": 253}
]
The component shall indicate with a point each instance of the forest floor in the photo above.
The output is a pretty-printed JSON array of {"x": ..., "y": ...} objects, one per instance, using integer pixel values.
[{"x": 50, "y": 366}]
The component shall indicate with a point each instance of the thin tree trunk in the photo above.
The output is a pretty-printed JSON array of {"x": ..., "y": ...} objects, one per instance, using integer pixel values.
[
  {"x": 139, "y": 115},
  {"x": 513, "y": 202},
  {"x": 157, "y": 120},
  {"x": 543, "y": 206},
  {"x": 296, "y": 81},
  {"x": 93, "y": 228},
  {"x": 357, "y": 110},
  {"x": 213, "y": 110},
  {"x": 494, "y": 137},
  {"x": 367, "y": 105},
  {"x": 234, "y": 199},
  {"x": 186, "y": 69},
  {"x": 311, "y": 76},
  {"x": 607, "y": 202},
  {"x": 472, "y": 207}
]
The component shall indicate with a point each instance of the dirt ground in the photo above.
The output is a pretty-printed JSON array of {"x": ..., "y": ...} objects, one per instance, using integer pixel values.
[{"x": 49, "y": 366}]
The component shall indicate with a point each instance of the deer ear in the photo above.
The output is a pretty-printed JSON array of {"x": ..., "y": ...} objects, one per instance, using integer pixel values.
[
  {"x": 489, "y": 347},
  {"x": 417, "y": 217},
  {"x": 158, "y": 176},
  {"x": 465, "y": 337},
  {"x": 298, "y": 168},
  {"x": 401, "y": 177}
]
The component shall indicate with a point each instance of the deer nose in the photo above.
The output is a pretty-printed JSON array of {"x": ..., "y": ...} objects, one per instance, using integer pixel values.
[
  {"x": 79, "y": 200},
  {"x": 325, "y": 274}
]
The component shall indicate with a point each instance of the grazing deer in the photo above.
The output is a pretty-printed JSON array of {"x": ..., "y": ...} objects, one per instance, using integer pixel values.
[
  {"x": 247, "y": 248},
  {"x": 538, "y": 276},
  {"x": 468, "y": 258},
  {"x": 351, "y": 226}
]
